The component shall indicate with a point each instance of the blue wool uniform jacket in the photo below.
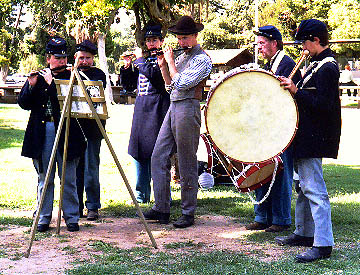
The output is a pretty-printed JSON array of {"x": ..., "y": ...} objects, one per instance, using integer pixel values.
[
  {"x": 285, "y": 67},
  {"x": 319, "y": 108},
  {"x": 35, "y": 100},
  {"x": 151, "y": 105},
  {"x": 89, "y": 126}
]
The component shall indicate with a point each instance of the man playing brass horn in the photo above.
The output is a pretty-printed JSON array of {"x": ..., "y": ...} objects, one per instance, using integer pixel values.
[
  {"x": 318, "y": 136},
  {"x": 274, "y": 214}
]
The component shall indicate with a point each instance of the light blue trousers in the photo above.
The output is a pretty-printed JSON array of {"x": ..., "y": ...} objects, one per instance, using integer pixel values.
[
  {"x": 313, "y": 211},
  {"x": 70, "y": 204}
]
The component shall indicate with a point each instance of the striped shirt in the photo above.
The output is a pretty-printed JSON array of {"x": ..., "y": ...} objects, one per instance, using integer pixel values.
[{"x": 192, "y": 68}]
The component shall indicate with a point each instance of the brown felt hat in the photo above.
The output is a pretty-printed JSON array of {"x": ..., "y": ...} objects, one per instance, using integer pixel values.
[{"x": 186, "y": 25}]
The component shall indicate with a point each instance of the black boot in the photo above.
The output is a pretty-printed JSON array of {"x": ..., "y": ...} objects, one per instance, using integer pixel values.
[
  {"x": 295, "y": 240},
  {"x": 163, "y": 218},
  {"x": 313, "y": 254},
  {"x": 184, "y": 221}
]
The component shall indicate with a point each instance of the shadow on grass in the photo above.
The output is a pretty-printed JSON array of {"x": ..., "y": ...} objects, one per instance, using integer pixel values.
[
  {"x": 10, "y": 137},
  {"x": 234, "y": 207}
]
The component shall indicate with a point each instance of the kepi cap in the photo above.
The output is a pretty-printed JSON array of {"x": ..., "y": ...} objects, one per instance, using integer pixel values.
[
  {"x": 153, "y": 31},
  {"x": 308, "y": 29},
  {"x": 87, "y": 46},
  {"x": 269, "y": 32},
  {"x": 186, "y": 25},
  {"x": 126, "y": 53},
  {"x": 57, "y": 47}
]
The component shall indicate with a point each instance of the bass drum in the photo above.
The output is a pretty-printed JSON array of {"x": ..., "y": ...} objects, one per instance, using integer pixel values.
[{"x": 249, "y": 117}]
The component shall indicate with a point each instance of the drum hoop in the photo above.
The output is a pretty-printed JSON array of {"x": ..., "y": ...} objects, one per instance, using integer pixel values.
[{"x": 211, "y": 92}]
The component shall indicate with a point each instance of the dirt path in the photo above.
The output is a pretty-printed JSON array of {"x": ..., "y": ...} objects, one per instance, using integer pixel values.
[{"x": 58, "y": 252}]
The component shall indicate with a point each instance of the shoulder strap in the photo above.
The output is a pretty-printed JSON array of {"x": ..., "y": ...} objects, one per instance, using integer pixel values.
[
  {"x": 318, "y": 65},
  {"x": 277, "y": 61},
  {"x": 84, "y": 75}
]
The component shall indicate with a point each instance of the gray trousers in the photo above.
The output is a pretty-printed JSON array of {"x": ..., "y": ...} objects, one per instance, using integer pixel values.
[
  {"x": 179, "y": 133},
  {"x": 313, "y": 211}
]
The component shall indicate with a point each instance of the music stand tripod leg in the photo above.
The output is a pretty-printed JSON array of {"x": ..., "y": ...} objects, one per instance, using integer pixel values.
[
  {"x": 96, "y": 116},
  {"x": 63, "y": 171}
]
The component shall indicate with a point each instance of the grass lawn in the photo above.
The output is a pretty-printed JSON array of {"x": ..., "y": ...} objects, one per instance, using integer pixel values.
[{"x": 18, "y": 192}]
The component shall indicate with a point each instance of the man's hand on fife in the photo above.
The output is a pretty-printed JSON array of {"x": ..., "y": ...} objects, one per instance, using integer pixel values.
[
  {"x": 33, "y": 78},
  {"x": 169, "y": 55},
  {"x": 46, "y": 74}
]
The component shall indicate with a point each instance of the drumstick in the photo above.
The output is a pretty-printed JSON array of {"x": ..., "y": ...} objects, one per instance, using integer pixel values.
[{"x": 304, "y": 55}]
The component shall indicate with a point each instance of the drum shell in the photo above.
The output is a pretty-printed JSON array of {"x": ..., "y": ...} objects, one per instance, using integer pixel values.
[{"x": 245, "y": 177}]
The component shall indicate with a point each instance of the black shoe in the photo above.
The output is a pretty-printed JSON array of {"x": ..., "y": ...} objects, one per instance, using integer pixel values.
[
  {"x": 72, "y": 227},
  {"x": 256, "y": 226},
  {"x": 92, "y": 215},
  {"x": 277, "y": 228},
  {"x": 163, "y": 218},
  {"x": 42, "y": 227},
  {"x": 295, "y": 240},
  {"x": 184, "y": 221},
  {"x": 313, "y": 254}
]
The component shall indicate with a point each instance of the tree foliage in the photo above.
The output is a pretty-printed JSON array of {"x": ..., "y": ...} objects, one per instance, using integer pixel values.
[
  {"x": 344, "y": 21},
  {"x": 232, "y": 28},
  {"x": 10, "y": 35},
  {"x": 341, "y": 16},
  {"x": 228, "y": 24}
]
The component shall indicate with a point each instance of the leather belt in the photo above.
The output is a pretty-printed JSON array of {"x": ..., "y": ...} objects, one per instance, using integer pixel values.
[{"x": 49, "y": 119}]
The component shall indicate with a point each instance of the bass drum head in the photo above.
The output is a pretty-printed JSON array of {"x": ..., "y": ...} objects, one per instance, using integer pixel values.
[{"x": 249, "y": 117}]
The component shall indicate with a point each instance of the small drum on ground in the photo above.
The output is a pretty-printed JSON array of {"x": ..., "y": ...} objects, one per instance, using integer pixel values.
[{"x": 249, "y": 117}]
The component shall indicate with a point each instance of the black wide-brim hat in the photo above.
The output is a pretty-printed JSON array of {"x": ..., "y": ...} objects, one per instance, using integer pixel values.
[{"x": 186, "y": 25}]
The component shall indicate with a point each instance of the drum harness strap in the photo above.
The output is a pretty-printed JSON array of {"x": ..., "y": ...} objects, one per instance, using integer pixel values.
[
  {"x": 234, "y": 177},
  {"x": 279, "y": 56},
  {"x": 276, "y": 160},
  {"x": 318, "y": 65}
]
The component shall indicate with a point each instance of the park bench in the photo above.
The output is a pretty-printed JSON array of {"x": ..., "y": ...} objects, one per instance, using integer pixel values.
[
  {"x": 343, "y": 93},
  {"x": 10, "y": 92}
]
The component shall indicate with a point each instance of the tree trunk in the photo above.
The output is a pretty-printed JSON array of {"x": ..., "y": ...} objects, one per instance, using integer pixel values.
[
  {"x": 4, "y": 70},
  {"x": 104, "y": 67}
]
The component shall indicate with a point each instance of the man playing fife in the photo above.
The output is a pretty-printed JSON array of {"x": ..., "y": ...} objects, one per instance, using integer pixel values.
[
  {"x": 39, "y": 95},
  {"x": 318, "y": 136},
  {"x": 274, "y": 214},
  {"x": 88, "y": 169},
  {"x": 180, "y": 131},
  {"x": 151, "y": 105}
]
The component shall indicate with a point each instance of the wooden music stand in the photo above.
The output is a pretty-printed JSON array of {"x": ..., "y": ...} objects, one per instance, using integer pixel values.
[{"x": 76, "y": 102}]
